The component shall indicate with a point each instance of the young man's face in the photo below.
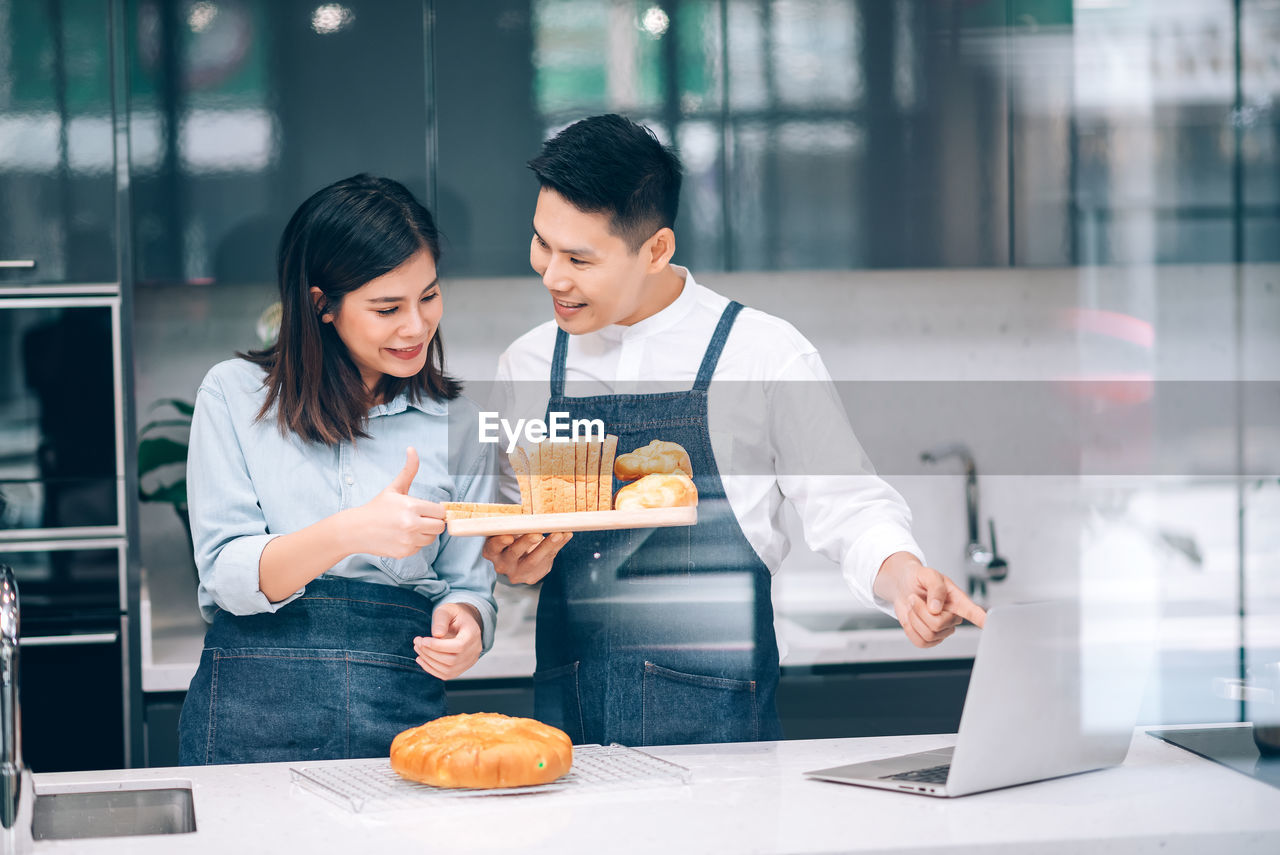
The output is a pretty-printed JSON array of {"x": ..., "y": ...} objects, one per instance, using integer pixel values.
[{"x": 595, "y": 280}]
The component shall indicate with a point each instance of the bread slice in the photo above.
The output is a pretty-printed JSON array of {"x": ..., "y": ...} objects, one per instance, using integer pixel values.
[
  {"x": 580, "y": 475},
  {"x": 469, "y": 510},
  {"x": 593, "y": 475},
  {"x": 520, "y": 463},
  {"x": 540, "y": 479},
  {"x": 563, "y": 474},
  {"x": 607, "y": 454}
]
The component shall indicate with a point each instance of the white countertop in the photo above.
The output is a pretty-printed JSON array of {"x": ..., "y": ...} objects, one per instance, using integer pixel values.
[{"x": 743, "y": 797}]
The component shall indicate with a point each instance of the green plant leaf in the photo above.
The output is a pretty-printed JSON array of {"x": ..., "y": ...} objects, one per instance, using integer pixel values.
[
  {"x": 159, "y": 451},
  {"x": 163, "y": 423},
  {"x": 171, "y": 494},
  {"x": 177, "y": 403}
]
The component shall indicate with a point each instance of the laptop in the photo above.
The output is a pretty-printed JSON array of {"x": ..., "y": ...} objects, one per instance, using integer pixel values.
[{"x": 1050, "y": 695}]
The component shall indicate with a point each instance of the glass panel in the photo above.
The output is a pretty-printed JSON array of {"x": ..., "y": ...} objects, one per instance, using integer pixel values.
[
  {"x": 815, "y": 50},
  {"x": 57, "y": 448},
  {"x": 57, "y": 188},
  {"x": 818, "y": 170},
  {"x": 64, "y": 591},
  {"x": 748, "y": 77},
  {"x": 601, "y": 57},
  {"x": 908, "y": 100},
  {"x": 1154, "y": 91},
  {"x": 699, "y": 52},
  {"x": 243, "y": 108},
  {"x": 702, "y": 196},
  {"x": 1262, "y": 580},
  {"x": 1260, "y": 123}
]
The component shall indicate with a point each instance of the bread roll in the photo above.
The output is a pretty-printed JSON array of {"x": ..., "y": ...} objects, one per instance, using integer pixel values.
[
  {"x": 482, "y": 751},
  {"x": 658, "y": 457},
  {"x": 666, "y": 490}
]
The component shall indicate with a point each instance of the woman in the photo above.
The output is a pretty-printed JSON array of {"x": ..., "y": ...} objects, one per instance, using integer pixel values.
[{"x": 337, "y": 605}]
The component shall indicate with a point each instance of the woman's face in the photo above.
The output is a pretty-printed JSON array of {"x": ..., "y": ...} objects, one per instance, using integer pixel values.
[{"x": 388, "y": 322}]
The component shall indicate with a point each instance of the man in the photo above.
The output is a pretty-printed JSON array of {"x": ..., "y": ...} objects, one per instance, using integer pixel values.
[{"x": 662, "y": 636}]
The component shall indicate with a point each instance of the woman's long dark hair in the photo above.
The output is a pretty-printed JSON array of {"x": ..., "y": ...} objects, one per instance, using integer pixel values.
[{"x": 343, "y": 237}]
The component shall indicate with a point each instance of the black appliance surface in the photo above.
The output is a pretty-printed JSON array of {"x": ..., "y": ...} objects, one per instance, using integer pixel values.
[
  {"x": 71, "y": 668},
  {"x": 58, "y": 433},
  {"x": 72, "y": 693},
  {"x": 1232, "y": 747}
]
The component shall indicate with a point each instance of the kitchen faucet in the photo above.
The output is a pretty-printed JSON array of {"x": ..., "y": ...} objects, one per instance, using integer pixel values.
[
  {"x": 981, "y": 563},
  {"x": 16, "y": 795}
]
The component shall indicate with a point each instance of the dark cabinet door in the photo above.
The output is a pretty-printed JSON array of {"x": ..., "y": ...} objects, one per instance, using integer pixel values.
[
  {"x": 873, "y": 699},
  {"x": 57, "y": 155},
  {"x": 60, "y": 449},
  {"x": 72, "y": 694},
  {"x": 71, "y": 672}
]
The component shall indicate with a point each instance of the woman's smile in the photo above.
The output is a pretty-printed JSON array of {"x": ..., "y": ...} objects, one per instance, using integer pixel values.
[{"x": 406, "y": 352}]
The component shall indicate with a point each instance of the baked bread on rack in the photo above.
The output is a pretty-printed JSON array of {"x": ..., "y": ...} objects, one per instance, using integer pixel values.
[{"x": 482, "y": 751}]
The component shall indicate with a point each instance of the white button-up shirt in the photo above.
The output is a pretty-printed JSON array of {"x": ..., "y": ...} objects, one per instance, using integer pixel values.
[
  {"x": 246, "y": 483},
  {"x": 778, "y": 429}
]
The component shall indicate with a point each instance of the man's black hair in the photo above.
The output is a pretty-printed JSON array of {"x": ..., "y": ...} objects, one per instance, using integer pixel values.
[{"x": 609, "y": 164}]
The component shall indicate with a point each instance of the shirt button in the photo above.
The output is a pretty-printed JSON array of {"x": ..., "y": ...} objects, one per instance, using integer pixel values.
[{"x": 350, "y": 480}]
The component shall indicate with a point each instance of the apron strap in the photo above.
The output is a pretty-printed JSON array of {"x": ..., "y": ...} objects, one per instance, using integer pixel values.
[
  {"x": 557, "y": 363},
  {"x": 709, "y": 359},
  {"x": 714, "y": 349}
]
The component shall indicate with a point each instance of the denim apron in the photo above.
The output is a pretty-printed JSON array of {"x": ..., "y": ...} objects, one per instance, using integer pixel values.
[
  {"x": 665, "y": 635},
  {"x": 329, "y": 676}
]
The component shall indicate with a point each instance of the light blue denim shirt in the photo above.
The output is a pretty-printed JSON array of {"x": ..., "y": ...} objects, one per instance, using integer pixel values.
[{"x": 247, "y": 483}]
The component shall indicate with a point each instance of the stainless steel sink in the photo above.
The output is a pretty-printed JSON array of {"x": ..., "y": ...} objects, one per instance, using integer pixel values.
[
  {"x": 127, "y": 809},
  {"x": 842, "y": 621}
]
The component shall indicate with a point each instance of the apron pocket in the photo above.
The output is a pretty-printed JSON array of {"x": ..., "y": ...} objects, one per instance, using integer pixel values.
[
  {"x": 556, "y": 701},
  {"x": 276, "y": 704},
  {"x": 385, "y": 695},
  {"x": 270, "y": 704},
  {"x": 679, "y": 708}
]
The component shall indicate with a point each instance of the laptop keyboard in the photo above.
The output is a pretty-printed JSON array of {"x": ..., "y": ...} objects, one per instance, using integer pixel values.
[{"x": 932, "y": 775}]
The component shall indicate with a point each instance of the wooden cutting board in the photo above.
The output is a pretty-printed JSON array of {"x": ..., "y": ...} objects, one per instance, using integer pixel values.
[{"x": 576, "y": 521}]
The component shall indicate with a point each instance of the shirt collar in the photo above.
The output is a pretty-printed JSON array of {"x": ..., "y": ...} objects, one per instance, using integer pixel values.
[
  {"x": 664, "y": 319},
  {"x": 400, "y": 403}
]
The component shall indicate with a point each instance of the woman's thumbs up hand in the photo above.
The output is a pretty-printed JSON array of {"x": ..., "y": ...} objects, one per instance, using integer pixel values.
[{"x": 394, "y": 524}]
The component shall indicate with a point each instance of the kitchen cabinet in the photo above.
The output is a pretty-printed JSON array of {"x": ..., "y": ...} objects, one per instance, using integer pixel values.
[
  {"x": 814, "y": 702},
  {"x": 60, "y": 451},
  {"x": 160, "y": 727},
  {"x": 57, "y": 177},
  {"x": 509, "y": 696},
  {"x": 65, "y": 325},
  {"x": 72, "y": 706},
  {"x": 873, "y": 699}
]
